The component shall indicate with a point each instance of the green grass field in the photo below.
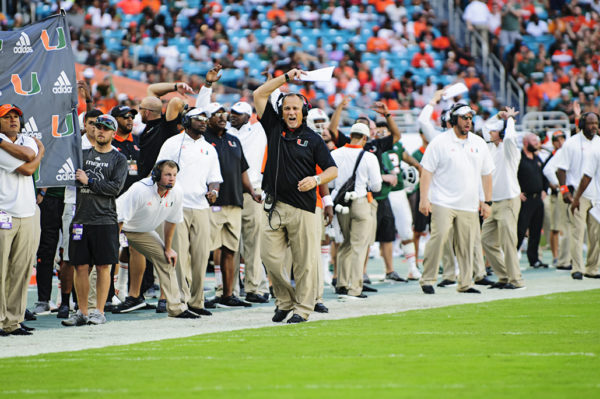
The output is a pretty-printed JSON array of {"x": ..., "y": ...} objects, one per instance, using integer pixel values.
[{"x": 540, "y": 347}]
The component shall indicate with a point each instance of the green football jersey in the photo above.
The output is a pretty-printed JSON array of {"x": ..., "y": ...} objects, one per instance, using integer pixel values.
[
  {"x": 418, "y": 155},
  {"x": 391, "y": 163}
]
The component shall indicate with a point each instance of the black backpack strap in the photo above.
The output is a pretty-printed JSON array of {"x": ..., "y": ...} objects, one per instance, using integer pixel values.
[{"x": 357, "y": 163}]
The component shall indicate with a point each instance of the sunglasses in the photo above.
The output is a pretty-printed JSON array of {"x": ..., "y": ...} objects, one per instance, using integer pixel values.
[
  {"x": 466, "y": 117},
  {"x": 199, "y": 118},
  {"x": 127, "y": 116},
  {"x": 220, "y": 114}
]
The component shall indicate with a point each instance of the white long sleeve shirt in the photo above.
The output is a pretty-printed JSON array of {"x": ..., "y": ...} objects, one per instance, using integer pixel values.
[
  {"x": 198, "y": 167},
  {"x": 457, "y": 167},
  {"x": 425, "y": 124},
  {"x": 571, "y": 159},
  {"x": 506, "y": 156},
  {"x": 142, "y": 210},
  {"x": 368, "y": 175}
]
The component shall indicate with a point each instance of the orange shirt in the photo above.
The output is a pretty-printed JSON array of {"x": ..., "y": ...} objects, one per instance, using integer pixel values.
[
  {"x": 274, "y": 14},
  {"x": 418, "y": 58},
  {"x": 377, "y": 44},
  {"x": 534, "y": 96},
  {"x": 471, "y": 81},
  {"x": 550, "y": 89}
]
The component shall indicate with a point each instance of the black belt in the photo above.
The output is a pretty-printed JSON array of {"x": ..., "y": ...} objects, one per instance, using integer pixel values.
[{"x": 533, "y": 195}]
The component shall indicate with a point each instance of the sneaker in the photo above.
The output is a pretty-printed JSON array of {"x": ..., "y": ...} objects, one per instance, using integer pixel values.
[
  {"x": 470, "y": 291},
  {"x": 232, "y": 301},
  {"x": 589, "y": 275},
  {"x": 333, "y": 282},
  {"x": 212, "y": 303},
  {"x": 510, "y": 286},
  {"x": 366, "y": 279},
  {"x": 186, "y": 314},
  {"x": 498, "y": 284},
  {"x": 130, "y": 305},
  {"x": 161, "y": 307},
  {"x": 280, "y": 315},
  {"x": 321, "y": 308},
  {"x": 296, "y": 318},
  {"x": 567, "y": 267},
  {"x": 63, "y": 312},
  {"x": 484, "y": 281},
  {"x": 95, "y": 317},
  {"x": 199, "y": 311},
  {"x": 29, "y": 316},
  {"x": 447, "y": 283},
  {"x": 395, "y": 277},
  {"x": 577, "y": 276},
  {"x": 76, "y": 319},
  {"x": 41, "y": 308},
  {"x": 367, "y": 288},
  {"x": 428, "y": 289},
  {"x": 255, "y": 298},
  {"x": 489, "y": 271},
  {"x": 341, "y": 291},
  {"x": 538, "y": 264},
  {"x": 352, "y": 297},
  {"x": 413, "y": 273}
]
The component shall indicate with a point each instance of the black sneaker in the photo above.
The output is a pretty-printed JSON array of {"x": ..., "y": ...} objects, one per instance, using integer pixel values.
[
  {"x": 367, "y": 288},
  {"x": 510, "y": 286},
  {"x": 296, "y": 318},
  {"x": 366, "y": 279},
  {"x": 212, "y": 304},
  {"x": 29, "y": 316},
  {"x": 26, "y": 328},
  {"x": 341, "y": 291},
  {"x": 3, "y": 333},
  {"x": 588, "y": 275},
  {"x": 255, "y": 298},
  {"x": 567, "y": 267},
  {"x": 333, "y": 282},
  {"x": 484, "y": 281},
  {"x": 498, "y": 285},
  {"x": 161, "y": 306},
  {"x": 63, "y": 312},
  {"x": 321, "y": 308},
  {"x": 200, "y": 311},
  {"x": 428, "y": 289},
  {"x": 395, "y": 277},
  {"x": 280, "y": 315},
  {"x": 20, "y": 331},
  {"x": 186, "y": 314},
  {"x": 447, "y": 283},
  {"x": 130, "y": 305},
  {"x": 489, "y": 271},
  {"x": 577, "y": 276},
  {"x": 470, "y": 291},
  {"x": 232, "y": 301},
  {"x": 538, "y": 264}
]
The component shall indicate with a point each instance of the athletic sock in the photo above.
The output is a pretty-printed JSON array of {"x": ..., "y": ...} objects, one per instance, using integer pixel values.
[{"x": 409, "y": 254}]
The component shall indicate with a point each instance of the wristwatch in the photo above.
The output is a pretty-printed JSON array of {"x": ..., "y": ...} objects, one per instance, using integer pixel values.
[
  {"x": 488, "y": 203},
  {"x": 317, "y": 179},
  {"x": 216, "y": 193}
]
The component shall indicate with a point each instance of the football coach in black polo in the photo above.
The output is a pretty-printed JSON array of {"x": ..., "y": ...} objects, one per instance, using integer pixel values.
[{"x": 289, "y": 182}]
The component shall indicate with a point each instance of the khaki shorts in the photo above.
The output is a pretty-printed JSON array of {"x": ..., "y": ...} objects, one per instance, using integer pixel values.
[{"x": 226, "y": 226}]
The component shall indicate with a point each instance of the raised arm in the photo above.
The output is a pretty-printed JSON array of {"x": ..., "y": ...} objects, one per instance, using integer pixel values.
[
  {"x": 203, "y": 98},
  {"x": 382, "y": 110},
  {"x": 424, "y": 117},
  {"x": 337, "y": 116},
  {"x": 160, "y": 89},
  {"x": 262, "y": 94}
]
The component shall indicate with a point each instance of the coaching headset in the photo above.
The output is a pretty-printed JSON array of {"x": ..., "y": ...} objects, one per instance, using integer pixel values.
[
  {"x": 185, "y": 120},
  {"x": 453, "y": 116},
  {"x": 305, "y": 104},
  {"x": 581, "y": 123},
  {"x": 157, "y": 170}
]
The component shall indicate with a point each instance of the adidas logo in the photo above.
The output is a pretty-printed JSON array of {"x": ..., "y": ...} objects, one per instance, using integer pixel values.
[
  {"x": 62, "y": 84},
  {"x": 31, "y": 129},
  {"x": 66, "y": 172},
  {"x": 23, "y": 45}
]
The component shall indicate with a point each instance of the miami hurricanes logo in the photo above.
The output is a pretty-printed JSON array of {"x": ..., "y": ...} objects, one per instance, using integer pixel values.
[
  {"x": 69, "y": 125},
  {"x": 62, "y": 41},
  {"x": 15, "y": 79}
]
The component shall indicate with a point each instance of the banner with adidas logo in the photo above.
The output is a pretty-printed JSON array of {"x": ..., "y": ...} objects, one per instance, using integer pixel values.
[{"x": 37, "y": 73}]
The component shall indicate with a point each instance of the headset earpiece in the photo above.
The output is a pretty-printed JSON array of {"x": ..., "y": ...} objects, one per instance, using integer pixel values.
[
  {"x": 305, "y": 104},
  {"x": 185, "y": 119},
  {"x": 156, "y": 173},
  {"x": 453, "y": 116}
]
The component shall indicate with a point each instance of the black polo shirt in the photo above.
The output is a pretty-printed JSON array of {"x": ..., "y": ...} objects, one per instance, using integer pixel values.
[
  {"x": 299, "y": 154},
  {"x": 530, "y": 175},
  {"x": 233, "y": 164},
  {"x": 155, "y": 134},
  {"x": 130, "y": 148},
  {"x": 376, "y": 146}
]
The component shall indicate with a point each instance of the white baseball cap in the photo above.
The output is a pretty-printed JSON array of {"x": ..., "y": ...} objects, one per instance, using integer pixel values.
[
  {"x": 242, "y": 107},
  {"x": 360, "y": 128},
  {"x": 197, "y": 111},
  {"x": 212, "y": 108},
  {"x": 494, "y": 125},
  {"x": 464, "y": 110},
  {"x": 88, "y": 73}
]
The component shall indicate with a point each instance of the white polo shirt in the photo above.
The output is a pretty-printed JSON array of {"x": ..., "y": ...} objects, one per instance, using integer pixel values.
[
  {"x": 198, "y": 167},
  {"x": 550, "y": 168},
  {"x": 457, "y": 166},
  {"x": 142, "y": 210},
  {"x": 506, "y": 156},
  {"x": 368, "y": 174},
  {"x": 571, "y": 159},
  {"x": 254, "y": 143},
  {"x": 17, "y": 192}
]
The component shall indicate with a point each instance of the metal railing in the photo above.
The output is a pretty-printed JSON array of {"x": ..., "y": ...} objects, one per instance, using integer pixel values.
[{"x": 536, "y": 122}]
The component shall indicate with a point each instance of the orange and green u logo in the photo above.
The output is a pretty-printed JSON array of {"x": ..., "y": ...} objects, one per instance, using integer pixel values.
[
  {"x": 18, "y": 85},
  {"x": 62, "y": 41},
  {"x": 68, "y": 122}
]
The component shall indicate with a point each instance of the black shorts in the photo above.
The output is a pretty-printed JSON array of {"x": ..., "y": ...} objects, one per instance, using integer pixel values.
[
  {"x": 99, "y": 245},
  {"x": 386, "y": 229},
  {"x": 420, "y": 221}
]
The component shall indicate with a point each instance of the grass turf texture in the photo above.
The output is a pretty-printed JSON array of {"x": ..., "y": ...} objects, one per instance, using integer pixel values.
[{"x": 545, "y": 346}]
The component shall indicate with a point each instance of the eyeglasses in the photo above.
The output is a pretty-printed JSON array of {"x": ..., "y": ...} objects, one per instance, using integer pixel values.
[{"x": 199, "y": 118}]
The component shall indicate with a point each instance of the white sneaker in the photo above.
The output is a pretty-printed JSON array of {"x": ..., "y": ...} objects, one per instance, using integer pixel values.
[
  {"x": 414, "y": 273},
  {"x": 95, "y": 317}
]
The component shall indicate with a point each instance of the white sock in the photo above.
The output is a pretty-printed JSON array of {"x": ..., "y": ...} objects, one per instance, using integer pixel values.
[
  {"x": 409, "y": 254},
  {"x": 218, "y": 276},
  {"x": 121, "y": 280},
  {"x": 325, "y": 257}
]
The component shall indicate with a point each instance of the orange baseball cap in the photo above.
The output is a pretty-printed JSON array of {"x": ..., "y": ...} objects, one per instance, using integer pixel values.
[{"x": 6, "y": 108}]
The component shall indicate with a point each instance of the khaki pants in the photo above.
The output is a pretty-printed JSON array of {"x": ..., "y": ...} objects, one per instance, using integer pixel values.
[
  {"x": 499, "y": 240},
  {"x": 17, "y": 254},
  {"x": 255, "y": 279},
  {"x": 449, "y": 273},
  {"x": 466, "y": 225},
  {"x": 479, "y": 271},
  {"x": 373, "y": 229},
  {"x": 564, "y": 239},
  {"x": 226, "y": 226},
  {"x": 297, "y": 229},
  {"x": 352, "y": 252},
  {"x": 192, "y": 242},
  {"x": 577, "y": 223},
  {"x": 318, "y": 236},
  {"x": 153, "y": 248}
]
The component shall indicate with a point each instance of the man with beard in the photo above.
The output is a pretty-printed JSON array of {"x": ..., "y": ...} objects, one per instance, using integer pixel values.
[
  {"x": 570, "y": 162},
  {"x": 199, "y": 178},
  {"x": 455, "y": 165},
  {"x": 533, "y": 191},
  {"x": 94, "y": 237},
  {"x": 226, "y": 215}
]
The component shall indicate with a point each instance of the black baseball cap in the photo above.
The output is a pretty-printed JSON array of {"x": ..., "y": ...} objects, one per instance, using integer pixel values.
[{"x": 121, "y": 110}]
